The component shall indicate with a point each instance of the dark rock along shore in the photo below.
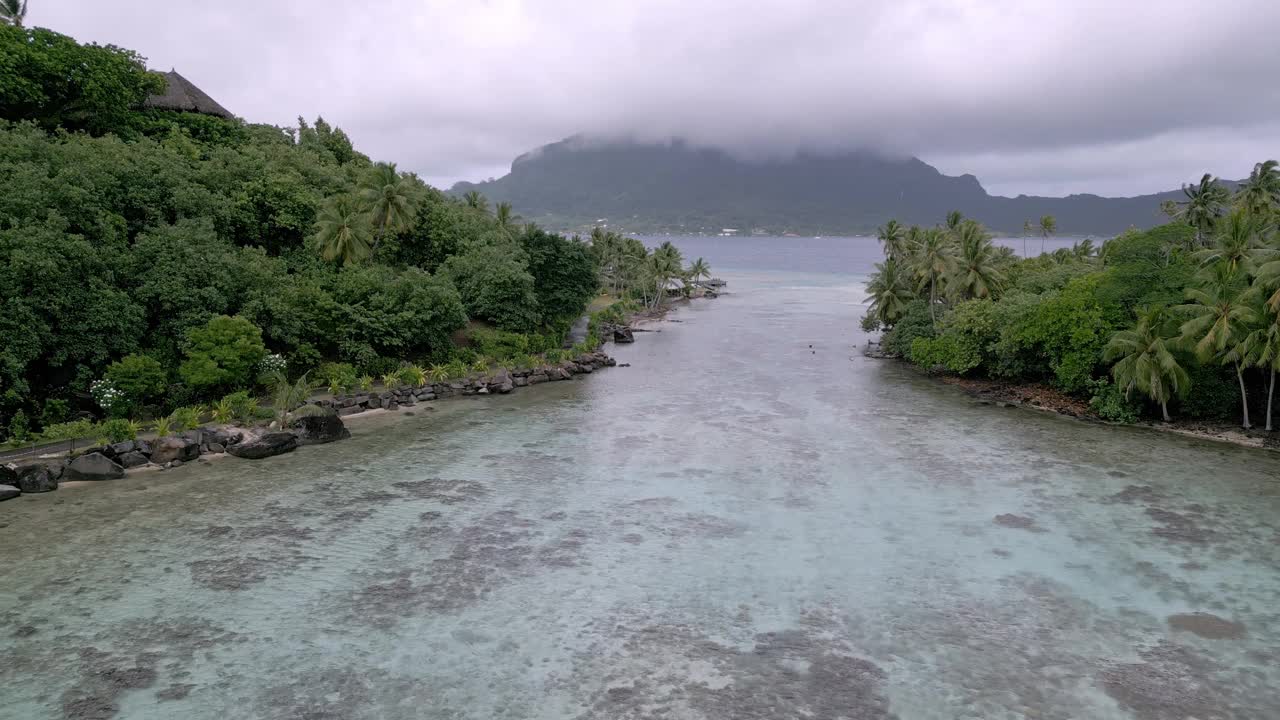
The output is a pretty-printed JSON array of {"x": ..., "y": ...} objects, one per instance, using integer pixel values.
[{"x": 110, "y": 462}]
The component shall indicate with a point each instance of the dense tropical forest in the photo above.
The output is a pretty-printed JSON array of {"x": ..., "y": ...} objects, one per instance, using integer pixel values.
[
  {"x": 1181, "y": 319},
  {"x": 153, "y": 261}
]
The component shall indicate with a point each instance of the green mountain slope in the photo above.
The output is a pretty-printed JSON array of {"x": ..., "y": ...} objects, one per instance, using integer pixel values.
[{"x": 572, "y": 184}]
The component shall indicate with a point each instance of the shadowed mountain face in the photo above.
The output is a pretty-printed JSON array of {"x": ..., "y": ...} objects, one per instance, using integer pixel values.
[{"x": 679, "y": 188}]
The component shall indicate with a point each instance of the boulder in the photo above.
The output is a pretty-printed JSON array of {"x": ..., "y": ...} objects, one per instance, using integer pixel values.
[
  {"x": 9, "y": 492},
  {"x": 142, "y": 446},
  {"x": 121, "y": 448},
  {"x": 521, "y": 381},
  {"x": 265, "y": 446},
  {"x": 343, "y": 412},
  {"x": 319, "y": 429},
  {"x": 93, "y": 466},
  {"x": 168, "y": 449},
  {"x": 538, "y": 378},
  {"x": 132, "y": 459},
  {"x": 217, "y": 448},
  {"x": 7, "y": 475},
  {"x": 35, "y": 479},
  {"x": 623, "y": 334}
]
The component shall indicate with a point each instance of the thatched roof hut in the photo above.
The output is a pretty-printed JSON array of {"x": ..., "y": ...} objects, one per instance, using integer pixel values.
[{"x": 183, "y": 96}]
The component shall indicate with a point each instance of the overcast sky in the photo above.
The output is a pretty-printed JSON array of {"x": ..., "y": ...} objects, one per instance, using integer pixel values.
[{"x": 1037, "y": 97}]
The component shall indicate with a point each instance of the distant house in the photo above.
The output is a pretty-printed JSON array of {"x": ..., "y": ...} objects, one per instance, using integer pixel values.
[{"x": 181, "y": 95}]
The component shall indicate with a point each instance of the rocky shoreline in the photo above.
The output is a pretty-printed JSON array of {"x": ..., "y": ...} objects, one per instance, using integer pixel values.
[
  {"x": 116, "y": 460},
  {"x": 1032, "y": 396}
]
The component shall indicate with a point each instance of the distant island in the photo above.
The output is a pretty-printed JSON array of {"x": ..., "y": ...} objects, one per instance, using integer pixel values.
[{"x": 575, "y": 184}]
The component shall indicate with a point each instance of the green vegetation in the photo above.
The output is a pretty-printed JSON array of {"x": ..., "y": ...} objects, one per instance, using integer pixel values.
[
  {"x": 1173, "y": 317},
  {"x": 151, "y": 260}
]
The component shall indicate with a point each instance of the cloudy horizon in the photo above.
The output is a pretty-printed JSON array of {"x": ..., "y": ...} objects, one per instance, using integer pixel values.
[{"x": 1036, "y": 98}]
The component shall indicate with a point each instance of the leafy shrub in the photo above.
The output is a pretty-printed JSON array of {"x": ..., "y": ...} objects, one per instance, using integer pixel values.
[
  {"x": 915, "y": 322},
  {"x": 495, "y": 286},
  {"x": 109, "y": 397},
  {"x": 163, "y": 427},
  {"x": 499, "y": 344},
  {"x": 118, "y": 430},
  {"x": 19, "y": 430},
  {"x": 55, "y": 411},
  {"x": 365, "y": 383},
  {"x": 1109, "y": 402},
  {"x": 242, "y": 405},
  {"x": 139, "y": 377},
  {"x": 968, "y": 330},
  {"x": 341, "y": 375},
  {"x": 74, "y": 430},
  {"x": 185, "y": 418},
  {"x": 225, "y": 352}
]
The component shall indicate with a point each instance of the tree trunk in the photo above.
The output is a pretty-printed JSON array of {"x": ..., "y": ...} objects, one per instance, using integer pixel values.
[
  {"x": 1164, "y": 410},
  {"x": 1244, "y": 397},
  {"x": 1270, "y": 391},
  {"x": 933, "y": 299}
]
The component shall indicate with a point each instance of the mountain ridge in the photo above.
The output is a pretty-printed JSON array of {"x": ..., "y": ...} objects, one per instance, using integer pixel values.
[{"x": 673, "y": 187}]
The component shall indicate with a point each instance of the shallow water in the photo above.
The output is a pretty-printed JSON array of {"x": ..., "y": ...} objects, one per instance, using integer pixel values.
[{"x": 734, "y": 527}]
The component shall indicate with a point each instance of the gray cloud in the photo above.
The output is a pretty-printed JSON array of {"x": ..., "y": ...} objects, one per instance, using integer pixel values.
[{"x": 1041, "y": 97}]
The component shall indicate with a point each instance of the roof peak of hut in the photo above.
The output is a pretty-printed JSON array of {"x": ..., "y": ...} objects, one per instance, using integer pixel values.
[{"x": 182, "y": 95}]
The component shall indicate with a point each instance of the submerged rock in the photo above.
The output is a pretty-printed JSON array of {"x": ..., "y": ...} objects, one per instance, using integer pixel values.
[
  {"x": 9, "y": 492},
  {"x": 35, "y": 479},
  {"x": 93, "y": 466},
  {"x": 319, "y": 429},
  {"x": 265, "y": 446},
  {"x": 623, "y": 334},
  {"x": 7, "y": 475}
]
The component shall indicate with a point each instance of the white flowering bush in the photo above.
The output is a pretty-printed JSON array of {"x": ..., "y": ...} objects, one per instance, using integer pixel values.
[
  {"x": 272, "y": 363},
  {"x": 108, "y": 396}
]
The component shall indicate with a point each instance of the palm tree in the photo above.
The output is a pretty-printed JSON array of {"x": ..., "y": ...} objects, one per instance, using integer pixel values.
[
  {"x": 1026, "y": 231},
  {"x": 505, "y": 218},
  {"x": 699, "y": 270},
  {"x": 889, "y": 291},
  {"x": 1048, "y": 226},
  {"x": 954, "y": 218},
  {"x": 1237, "y": 243},
  {"x": 12, "y": 12},
  {"x": 390, "y": 200},
  {"x": 1260, "y": 194},
  {"x": 934, "y": 263},
  {"x": 1145, "y": 359},
  {"x": 1262, "y": 350},
  {"x": 892, "y": 236},
  {"x": 1169, "y": 207},
  {"x": 976, "y": 274},
  {"x": 288, "y": 399},
  {"x": 342, "y": 230},
  {"x": 476, "y": 201},
  {"x": 1220, "y": 320},
  {"x": 664, "y": 264},
  {"x": 1084, "y": 250},
  {"x": 1204, "y": 204}
]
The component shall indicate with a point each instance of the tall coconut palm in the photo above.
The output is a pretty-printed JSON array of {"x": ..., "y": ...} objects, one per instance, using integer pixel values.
[
  {"x": 889, "y": 291},
  {"x": 1084, "y": 250},
  {"x": 1203, "y": 206},
  {"x": 664, "y": 264},
  {"x": 1237, "y": 243},
  {"x": 13, "y": 12},
  {"x": 506, "y": 219},
  {"x": 954, "y": 218},
  {"x": 976, "y": 268},
  {"x": 1048, "y": 226},
  {"x": 935, "y": 261},
  {"x": 1026, "y": 232},
  {"x": 699, "y": 270},
  {"x": 892, "y": 236},
  {"x": 1262, "y": 350},
  {"x": 390, "y": 200},
  {"x": 476, "y": 201},
  {"x": 1260, "y": 194},
  {"x": 1221, "y": 316},
  {"x": 1144, "y": 359},
  {"x": 342, "y": 230}
]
